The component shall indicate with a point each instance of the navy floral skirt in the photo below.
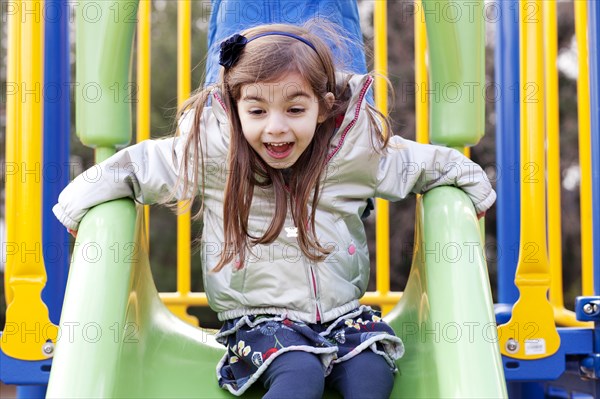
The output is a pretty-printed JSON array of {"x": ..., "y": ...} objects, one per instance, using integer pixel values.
[{"x": 253, "y": 342}]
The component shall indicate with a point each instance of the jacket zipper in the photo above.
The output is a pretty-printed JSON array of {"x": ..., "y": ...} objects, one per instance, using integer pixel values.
[{"x": 314, "y": 284}]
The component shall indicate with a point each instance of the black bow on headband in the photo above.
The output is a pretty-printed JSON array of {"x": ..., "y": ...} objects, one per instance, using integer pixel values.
[{"x": 231, "y": 49}]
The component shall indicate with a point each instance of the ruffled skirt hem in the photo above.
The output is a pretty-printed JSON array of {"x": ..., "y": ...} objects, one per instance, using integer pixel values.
[{"x": 254, "y": 342}]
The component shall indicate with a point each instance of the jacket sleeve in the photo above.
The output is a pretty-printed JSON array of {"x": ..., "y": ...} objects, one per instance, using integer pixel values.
[
  {"x": 146, "y": 172},
  {"x": 409, "y": 167}
]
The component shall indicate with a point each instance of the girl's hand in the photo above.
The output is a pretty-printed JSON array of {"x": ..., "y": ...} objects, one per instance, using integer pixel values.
[
  {"x": 480, "y": 215},
  {"x": 73, "y": 232}
]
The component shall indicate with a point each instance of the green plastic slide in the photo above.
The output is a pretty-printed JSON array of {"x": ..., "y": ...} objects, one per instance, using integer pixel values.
[{"x": 118, "y": 340}]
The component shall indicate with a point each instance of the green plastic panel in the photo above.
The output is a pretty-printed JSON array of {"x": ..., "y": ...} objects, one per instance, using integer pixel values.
[
  {"x": 457, "y": 90},
  {"x": 445, "y": 316},
  {"x": 119, "y": 340},
  {"x": 104, "y": 90}
]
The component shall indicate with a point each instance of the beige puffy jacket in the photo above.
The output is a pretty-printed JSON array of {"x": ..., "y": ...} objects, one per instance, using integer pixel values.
[{"x": 277, "y": 278}]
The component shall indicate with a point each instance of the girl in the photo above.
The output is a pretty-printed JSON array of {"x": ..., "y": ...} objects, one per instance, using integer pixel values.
[{"x": 283, "y": 162}]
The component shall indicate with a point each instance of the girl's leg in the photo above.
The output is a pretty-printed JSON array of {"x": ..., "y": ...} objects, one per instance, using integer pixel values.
[
  {"x": 365, "y": 376},
  {"x": 294, "y": 374}
]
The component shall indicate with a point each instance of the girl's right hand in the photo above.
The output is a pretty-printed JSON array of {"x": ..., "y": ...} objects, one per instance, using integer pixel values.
[{"x": 73, "y": 232}]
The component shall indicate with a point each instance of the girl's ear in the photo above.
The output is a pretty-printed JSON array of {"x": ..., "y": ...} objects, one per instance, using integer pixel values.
[{"x": 329, "y": 100}]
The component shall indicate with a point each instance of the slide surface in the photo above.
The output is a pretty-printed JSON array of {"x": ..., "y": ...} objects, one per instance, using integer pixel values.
[{"x": 118, "y": 340}]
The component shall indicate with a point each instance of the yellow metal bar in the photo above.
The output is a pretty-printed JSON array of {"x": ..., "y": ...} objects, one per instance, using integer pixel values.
[
  {"x": 184, "y": 61},
  {"x": 380, "y": 56},
  {"x": 381, "y": 100},
  {"x": 566, "y": 318},
  {"x": 585, "y": 145},
  {"x": 562, "y": 316},
  {"x": 175, "y": 299},
  {"x": 199, "y": 298},
  {"x": 13, "y": 127},
  {"x": 531, "y": 332},
  {"x": 143, "y": 81},
  {"x": 553, "y": 150},
  {"x": 388, "y": 299},
  {"x": 28, "y": 325},
  {"x": 421, "y": 99},
  {"x": 143, "y": 70}
]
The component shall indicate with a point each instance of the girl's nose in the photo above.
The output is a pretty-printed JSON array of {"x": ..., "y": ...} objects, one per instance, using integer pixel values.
[{"x": 276, "y": 124}]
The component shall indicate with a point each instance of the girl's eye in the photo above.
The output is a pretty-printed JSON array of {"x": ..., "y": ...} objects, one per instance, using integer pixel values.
[
  {"x": 255, "y": 111},
  {"x": 296, "y": 110}
]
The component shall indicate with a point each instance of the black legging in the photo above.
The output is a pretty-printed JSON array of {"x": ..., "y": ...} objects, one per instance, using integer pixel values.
[{"x": 300, "y": 375}]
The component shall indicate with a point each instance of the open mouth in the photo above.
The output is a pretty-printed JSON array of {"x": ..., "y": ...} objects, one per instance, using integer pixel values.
[{"x": 279, "y": 150}]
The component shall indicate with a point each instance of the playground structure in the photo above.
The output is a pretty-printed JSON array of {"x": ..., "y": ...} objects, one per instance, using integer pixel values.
[{"x": 144, "y": 350}]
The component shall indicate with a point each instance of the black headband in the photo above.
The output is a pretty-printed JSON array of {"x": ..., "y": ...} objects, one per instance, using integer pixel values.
[{"x": 231, "y": 49}]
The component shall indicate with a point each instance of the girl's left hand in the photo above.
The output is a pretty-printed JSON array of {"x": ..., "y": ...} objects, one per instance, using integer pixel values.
[{"x": 73, "y": 232}]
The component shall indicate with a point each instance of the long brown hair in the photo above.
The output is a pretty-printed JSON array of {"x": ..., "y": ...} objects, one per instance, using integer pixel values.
[{"x": 266, "y": 60}]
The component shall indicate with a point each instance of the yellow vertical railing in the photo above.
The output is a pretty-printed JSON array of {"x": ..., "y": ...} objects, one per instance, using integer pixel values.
[
  {"x": 381, "y": 101},
  {"x": 28, "y": 326},
  {"x": 562, "y": 316},
  {"x": 184, "y": 84},
  {"x": 382, "y": 296},
  {"x": 421, "y": 82},
  {"x": 531, "y": 333},
  {"x": 179, "y": 301},
  {"x": 553, "y": 153},
  {"x": 143, "y": 81},
  {"x": 585, "y": 145},
  {"x": 13, "y": 127}
]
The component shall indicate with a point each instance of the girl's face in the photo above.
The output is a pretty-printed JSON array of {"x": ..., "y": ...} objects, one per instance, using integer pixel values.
[{"x": 279, "y": 118}]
